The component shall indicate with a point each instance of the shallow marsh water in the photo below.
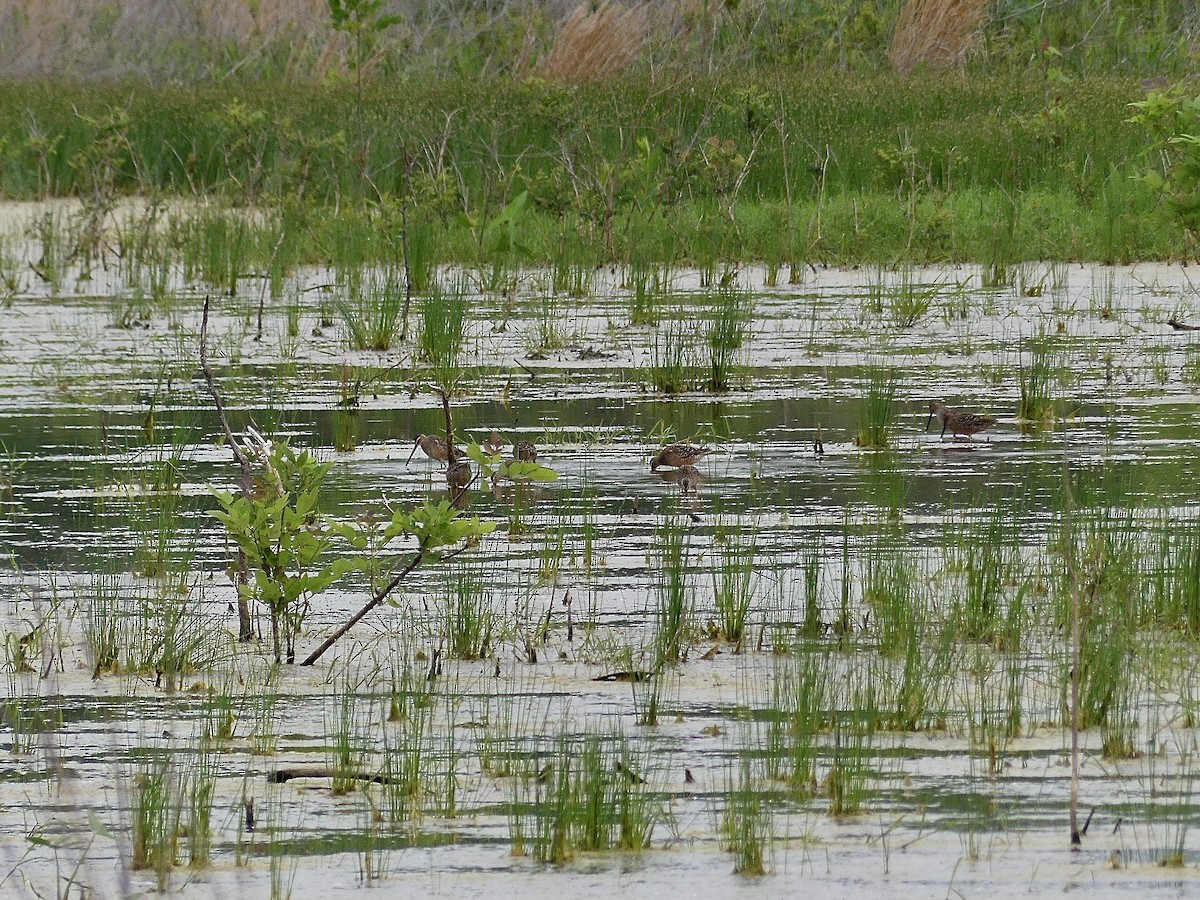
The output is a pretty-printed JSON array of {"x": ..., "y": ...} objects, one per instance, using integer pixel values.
[{"x": 102, "y": 404}]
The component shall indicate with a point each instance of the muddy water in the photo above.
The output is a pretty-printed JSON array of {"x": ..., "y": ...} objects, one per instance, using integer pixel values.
[{"x": 102, "y": 402}]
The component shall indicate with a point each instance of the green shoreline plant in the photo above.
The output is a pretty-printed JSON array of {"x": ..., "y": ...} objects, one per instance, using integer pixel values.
[{"x": 698, "y": 183}]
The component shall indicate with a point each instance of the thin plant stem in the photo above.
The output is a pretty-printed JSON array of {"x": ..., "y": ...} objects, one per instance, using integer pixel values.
[
  {"x": 245, "y": 627},
  {"x": 1076, "y": 637}
]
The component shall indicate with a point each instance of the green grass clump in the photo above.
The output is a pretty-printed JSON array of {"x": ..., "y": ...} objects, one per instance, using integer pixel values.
[
  {"x": 621, "y": 171},
  {"x": 875, "y": 413},
  {"x": 156, "y": 814},
  {"x": 674, "y": 589},
  {"x": 591, "y": 795},
  {"x": 734, "y": 584},
  {"x": 746, "y": 826},
  {"x": 1037, "y": 373},
  {"x": 372, "y": 310},
  {"x": 799, "y": 703},
  {"x": 442, "y": 333},
  {"x": 469, "y": 622},
  {"x": 671, "y": 370},
  {"x": 727, "y": 332}
]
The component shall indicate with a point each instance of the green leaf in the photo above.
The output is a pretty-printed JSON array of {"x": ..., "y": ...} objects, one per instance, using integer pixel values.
[
  {"x": 518, "y": 470},
  {"x": 96, "y": 826},
  {"x": 488, "y": 461}
]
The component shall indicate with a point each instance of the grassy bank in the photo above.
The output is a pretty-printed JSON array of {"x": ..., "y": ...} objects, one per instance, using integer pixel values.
[{"x": 766, "y": 165}]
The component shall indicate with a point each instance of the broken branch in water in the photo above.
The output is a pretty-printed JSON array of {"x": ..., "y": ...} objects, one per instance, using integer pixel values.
[
  {"x": 375, "y": 600},
  {"x": 245, "y": 629}
]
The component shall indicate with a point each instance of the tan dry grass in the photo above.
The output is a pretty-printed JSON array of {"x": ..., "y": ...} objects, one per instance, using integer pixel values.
[
  {"x": 934, "y": 32},
  {"x": 105, "y": 38},
  {"x": 595, "y": 43}
]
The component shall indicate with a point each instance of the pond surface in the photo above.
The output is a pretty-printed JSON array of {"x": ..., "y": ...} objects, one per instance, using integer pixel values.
[{"x": 907, "y": 645}]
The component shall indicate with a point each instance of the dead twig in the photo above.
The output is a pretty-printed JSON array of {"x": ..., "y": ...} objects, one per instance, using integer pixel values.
[{"x": 245, "y": 629}]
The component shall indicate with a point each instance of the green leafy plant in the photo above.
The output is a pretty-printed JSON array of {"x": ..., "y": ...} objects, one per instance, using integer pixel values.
[
  {"x": 1173, "y": 123},
  {"x": 283, "y": 536},
  {"x": 363, "y": 21},
  {"x": 434, "y": 525},
  {"x": 497, "y": 467}
]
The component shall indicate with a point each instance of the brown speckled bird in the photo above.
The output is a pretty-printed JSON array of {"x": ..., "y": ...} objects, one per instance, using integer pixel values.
[
  {"x": 678, "y": 456},
  {"x": 958, "y": 422},
  {"x": 688, "y": 480},
  {"x": 458, "y": 475},
  {"x": 432, "y": 446},
  {"x": 525, "y": 451}
]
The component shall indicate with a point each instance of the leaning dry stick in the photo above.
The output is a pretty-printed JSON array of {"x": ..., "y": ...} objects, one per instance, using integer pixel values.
[
  {"x": 1076, "y": 660},
  {"x": 245, "y": 630},
  {"x": 451, "y": 452},
  {"x": 378, "y": 598}
]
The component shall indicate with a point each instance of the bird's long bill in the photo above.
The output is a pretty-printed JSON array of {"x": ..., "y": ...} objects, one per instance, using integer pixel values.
[
  {"x": 927, "y": 421},
  {"x": 416, "y": 444}
]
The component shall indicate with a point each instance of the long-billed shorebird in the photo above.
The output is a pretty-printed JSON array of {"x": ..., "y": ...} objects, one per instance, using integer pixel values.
[
  {"x": 678, "y": 456},
  {"x": 432, "y": 446},
  {"x": 957, "y": 422},
  {"x": 458, "y": 475}
]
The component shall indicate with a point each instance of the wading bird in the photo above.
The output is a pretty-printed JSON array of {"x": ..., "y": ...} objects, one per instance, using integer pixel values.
[
  {"x": 678, "y": 456},
  {"x": 957, "y": 422}
]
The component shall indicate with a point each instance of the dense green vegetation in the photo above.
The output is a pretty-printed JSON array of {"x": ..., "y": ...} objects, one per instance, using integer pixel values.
[{"x": 784, "y": 140}]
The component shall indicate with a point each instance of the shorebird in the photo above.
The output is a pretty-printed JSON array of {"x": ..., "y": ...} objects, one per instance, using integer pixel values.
[
  {"x": 678, "y": 456},
  {"x": 688, "y": 479},
  {"x": 458, "y": 475},
  {"x": 525, "y": 451},
  {"x": 432, "y": 446},
  {"x": 958, "y": 422},
  {"x": 494, "y": 443}
]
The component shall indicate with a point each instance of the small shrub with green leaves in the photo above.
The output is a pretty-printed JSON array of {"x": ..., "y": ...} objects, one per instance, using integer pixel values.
[{"x": 283, "y": 536}]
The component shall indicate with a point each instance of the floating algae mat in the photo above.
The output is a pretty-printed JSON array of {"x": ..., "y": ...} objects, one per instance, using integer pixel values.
[{"x": 840, "y": 662}]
